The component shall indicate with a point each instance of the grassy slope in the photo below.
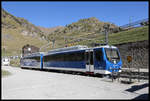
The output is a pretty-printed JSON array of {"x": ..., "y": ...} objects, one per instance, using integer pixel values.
[
  {"x": 5, "y": 73},
  {"x": 133, "y": 35},
  {"x": 137, "y": 34},
  {"x": 12, "y": 39},
  {"x": 14, "y": 45}
]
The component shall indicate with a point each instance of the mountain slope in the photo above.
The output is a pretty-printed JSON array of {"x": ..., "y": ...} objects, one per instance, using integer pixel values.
[
  {"x": 17, "y": 32},
  {"x": 90, "y": 31},
  {"x": 84, "y": 28},
  {"x": 89, "y": 25},
  {"x": 50, "y": 30}
]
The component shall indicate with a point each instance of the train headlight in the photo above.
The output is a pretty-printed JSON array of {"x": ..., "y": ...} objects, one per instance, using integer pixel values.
[
  {"x": 114, "y": 61},
  {"x": 120, "y": 69},
  {"x": 110, "y": 68}
]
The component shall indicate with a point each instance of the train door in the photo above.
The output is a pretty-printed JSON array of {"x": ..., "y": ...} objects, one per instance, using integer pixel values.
[{"x": 89, "y": 61}]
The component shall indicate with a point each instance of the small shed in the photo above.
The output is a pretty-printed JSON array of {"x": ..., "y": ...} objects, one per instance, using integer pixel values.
[{"x": 27, "y": 49}]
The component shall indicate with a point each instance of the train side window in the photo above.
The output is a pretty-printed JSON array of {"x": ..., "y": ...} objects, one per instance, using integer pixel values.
[
  {"x": 75, "y": 56},
  {"x": 99, "y": 55},
  {"x": 66, "y": 57}
]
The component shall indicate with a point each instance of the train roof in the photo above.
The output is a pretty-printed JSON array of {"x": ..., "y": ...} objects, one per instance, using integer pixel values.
[
  {"x": 76, "y": 48},
  {"x": 104, "y": 46},
  {"x": 34, "y": 54},
  {"x": 68, "y": 49}
]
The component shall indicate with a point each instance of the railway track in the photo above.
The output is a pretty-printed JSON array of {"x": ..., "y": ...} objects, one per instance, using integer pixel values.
[{"x": 142, "y": 74}]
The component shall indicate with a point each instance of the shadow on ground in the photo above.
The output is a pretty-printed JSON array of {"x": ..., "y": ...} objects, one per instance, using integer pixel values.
[
  {"x": 142, "y": 97},
  {"x": 137, "y": 87}
]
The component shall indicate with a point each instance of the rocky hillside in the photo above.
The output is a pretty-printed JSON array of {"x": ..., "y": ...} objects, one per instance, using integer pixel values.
[
  {"x": 89, "y": 25},
  {"x": 77, "y": 31},
  {"x": 27, "y": 29},
  {"x": 17, "y": 32},
  {"x": 50, "y": 30}
]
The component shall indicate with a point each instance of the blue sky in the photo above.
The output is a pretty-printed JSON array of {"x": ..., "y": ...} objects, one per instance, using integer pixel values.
[{"x": 51, "y": 14}]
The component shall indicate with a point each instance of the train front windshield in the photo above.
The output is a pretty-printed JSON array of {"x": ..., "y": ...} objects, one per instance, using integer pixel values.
[{"x": 112, "y": 55}]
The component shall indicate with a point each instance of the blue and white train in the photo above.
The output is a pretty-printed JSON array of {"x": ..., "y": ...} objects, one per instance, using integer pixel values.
[
  {"x": 34, "y": 60},
  {"x": 97, "y": 60}
]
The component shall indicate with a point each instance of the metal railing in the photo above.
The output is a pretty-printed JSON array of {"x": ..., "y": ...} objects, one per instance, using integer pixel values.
[{"x": 135, "y": 23}]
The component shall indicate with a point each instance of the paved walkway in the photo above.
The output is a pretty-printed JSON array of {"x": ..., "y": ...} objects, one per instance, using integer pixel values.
[{"x": 34, "y": 84}]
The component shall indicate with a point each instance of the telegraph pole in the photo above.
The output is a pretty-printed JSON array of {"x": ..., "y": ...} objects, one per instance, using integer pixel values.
[
  {"x": 53, "y": 41},
  {"x": 130, "y": 21},
  {"x": 4, "y": 51},
  {"x": 106, "y": 27},
  {"x": 45, "y": 46},
  {"x": 65, "y": 41}
]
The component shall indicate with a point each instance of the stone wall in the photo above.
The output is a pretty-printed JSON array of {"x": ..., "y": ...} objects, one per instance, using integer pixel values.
[{"x": 139, "y": 52}]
